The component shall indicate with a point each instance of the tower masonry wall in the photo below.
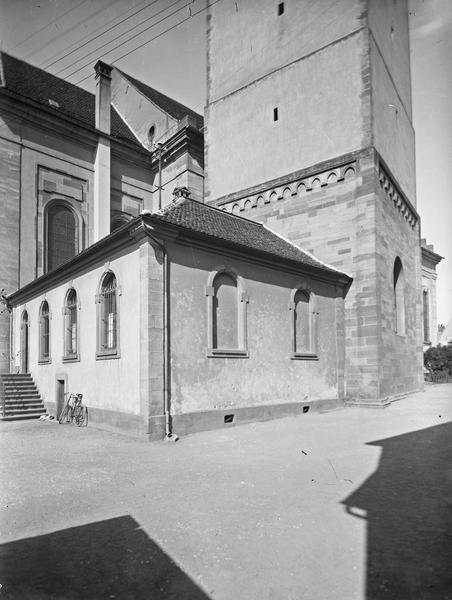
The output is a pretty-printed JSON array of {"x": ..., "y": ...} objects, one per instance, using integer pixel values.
[
  {"x": 323, "y": 111},
  {"x": 401, "y": 361},
  {"x": 242, "y": 37},
  {"x": 388, "y": 23},
  {"x": 393, "y": 133}
]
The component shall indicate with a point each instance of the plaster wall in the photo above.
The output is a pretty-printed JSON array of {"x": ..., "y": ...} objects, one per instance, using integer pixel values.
[
  {"x": 388, "y": 22},
  {"x": 249, "y": 40},
  {"x": 268, "y": 376},
  {"x": 323, "y": 112},
  {"x": 393, "y": 132},
  {"x": 111, "y": 386},
  {"x": 138, "y": 111}
]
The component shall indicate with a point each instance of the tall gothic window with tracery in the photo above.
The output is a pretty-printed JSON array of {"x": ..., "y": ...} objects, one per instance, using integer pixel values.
[{"x": 62, "y": 235}]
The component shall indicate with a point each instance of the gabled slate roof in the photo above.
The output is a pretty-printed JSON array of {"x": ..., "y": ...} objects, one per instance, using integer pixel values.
[
  {"x": 175, "y": 109},
  {"x": 198, "y": 218},
  {"x": 26, "y": 81}
]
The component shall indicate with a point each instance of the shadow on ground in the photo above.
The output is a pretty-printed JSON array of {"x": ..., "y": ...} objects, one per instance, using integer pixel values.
[
  {"x": 408, "y": 501},
  {"x": 108, "y": 559}
]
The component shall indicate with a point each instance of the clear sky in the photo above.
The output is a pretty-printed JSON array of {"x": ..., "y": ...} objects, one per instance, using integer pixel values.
[
  {"x": 44, "y": 31},
  {"x": 431, "y": 72}
]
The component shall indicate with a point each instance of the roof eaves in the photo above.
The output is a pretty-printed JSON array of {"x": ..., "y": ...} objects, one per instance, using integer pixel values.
[
  {"x": 121, "y": 237},
  {"x": 317, "y": 266}
]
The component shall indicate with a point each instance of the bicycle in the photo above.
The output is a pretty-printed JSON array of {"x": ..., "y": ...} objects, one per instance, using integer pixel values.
[{"x": 74, "y": 411}]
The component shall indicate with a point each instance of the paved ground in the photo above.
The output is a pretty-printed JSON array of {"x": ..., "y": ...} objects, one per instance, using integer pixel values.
[{"x": 351, "y": 504}]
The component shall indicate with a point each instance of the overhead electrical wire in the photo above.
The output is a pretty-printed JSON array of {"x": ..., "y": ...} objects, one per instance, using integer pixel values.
[
  {"x": 95, "y": 37},
  {"x": 45, "y": 26},
  {"x": 194, "y": 14},
  {"x": 134, "y": 36},
  {"x": 102, "y": 46},
  {"x": 74, "y": 27},
  {"x": 156, "y": 36}
]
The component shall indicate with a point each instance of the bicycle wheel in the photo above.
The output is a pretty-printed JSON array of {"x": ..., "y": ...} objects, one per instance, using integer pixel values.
[
  {"x": 81, "y": 416},
  {"x": 64, "y": 415}
]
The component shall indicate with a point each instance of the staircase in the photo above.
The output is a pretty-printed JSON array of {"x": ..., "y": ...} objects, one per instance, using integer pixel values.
[{"x": 21, "y": 399}]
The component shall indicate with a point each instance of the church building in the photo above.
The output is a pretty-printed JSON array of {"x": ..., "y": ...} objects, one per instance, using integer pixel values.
[{"x": 186, "y": 275}]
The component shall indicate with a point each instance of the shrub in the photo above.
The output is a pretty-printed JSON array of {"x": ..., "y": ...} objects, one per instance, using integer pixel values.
[{"x": 439, "y": 360}]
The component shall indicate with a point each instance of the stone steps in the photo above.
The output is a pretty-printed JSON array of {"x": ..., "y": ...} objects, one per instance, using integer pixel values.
[{"x": 20, "y": 398}]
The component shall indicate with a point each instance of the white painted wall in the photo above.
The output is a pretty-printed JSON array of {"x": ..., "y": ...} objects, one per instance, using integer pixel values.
[{"x": 110, "y": 384}]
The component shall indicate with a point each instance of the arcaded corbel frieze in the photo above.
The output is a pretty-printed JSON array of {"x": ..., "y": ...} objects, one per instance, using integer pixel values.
[
  {"x": 394, "y": 195},
  {"x": 298, "y": 188}
]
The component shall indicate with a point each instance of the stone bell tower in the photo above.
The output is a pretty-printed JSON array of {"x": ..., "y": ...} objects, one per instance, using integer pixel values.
[{"x": 308, "y": 129}]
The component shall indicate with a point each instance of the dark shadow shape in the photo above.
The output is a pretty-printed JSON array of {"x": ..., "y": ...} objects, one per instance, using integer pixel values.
[
  {"x": 409, "y": 517},
  {"x": 108, "y": 559}
]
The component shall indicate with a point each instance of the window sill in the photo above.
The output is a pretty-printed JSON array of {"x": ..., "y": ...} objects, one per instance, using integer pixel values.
[
  {"x": 107, "y": 354},
  {"x": 226, "y": 353},
  {"x": 72, "y": 358},
  {"x": 44, "y": 361},
  {"x": 304, "y": 356}
]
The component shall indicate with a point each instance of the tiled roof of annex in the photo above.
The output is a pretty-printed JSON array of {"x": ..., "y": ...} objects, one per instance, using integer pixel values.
[{"x": 199, "y": 218}]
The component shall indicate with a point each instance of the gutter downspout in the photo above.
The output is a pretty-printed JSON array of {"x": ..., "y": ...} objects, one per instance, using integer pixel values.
[
  {"x": 169, "y": 435},
  {"x": 8, "y": 307}
]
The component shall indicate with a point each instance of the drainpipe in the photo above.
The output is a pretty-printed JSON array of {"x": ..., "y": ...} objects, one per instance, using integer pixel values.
[
  {"x": 169, "y": 435},
  {"x": 5, "y": 302}
]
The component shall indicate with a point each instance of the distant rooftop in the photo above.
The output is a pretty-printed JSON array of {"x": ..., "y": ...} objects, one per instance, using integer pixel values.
[{"x": 26, "y": 81}]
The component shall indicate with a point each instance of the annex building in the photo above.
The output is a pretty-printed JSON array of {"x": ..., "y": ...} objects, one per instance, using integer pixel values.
[{"x": 186, "y": 274}]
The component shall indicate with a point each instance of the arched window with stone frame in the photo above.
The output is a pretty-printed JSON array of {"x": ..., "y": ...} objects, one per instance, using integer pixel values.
[
  {"x": 61, "y": 241},
  {"x": 426, "y": 315},
  {"x": 399, "y": 297},
  {"x": 303, "y": 323},
  {"x": 44, "y": 332},
  {"x": 226, "y": 313},
  {"x": 108, "y": 316},
  {"x": 71, "y": 326}
]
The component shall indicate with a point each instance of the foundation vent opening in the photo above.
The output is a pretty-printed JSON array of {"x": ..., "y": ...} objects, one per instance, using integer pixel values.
[{"x": 228, "y": 418}]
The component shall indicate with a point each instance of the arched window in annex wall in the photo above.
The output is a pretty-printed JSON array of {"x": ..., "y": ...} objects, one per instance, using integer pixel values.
[
  {"x": 71, "y": 326},
  {"x": 227, "y": 302},
  {"x": 44, "y": 332},
  {"x": 303, "y": 324},
  {"x": 399, "y": 297},
  {"x": 108, "y": 317}
]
